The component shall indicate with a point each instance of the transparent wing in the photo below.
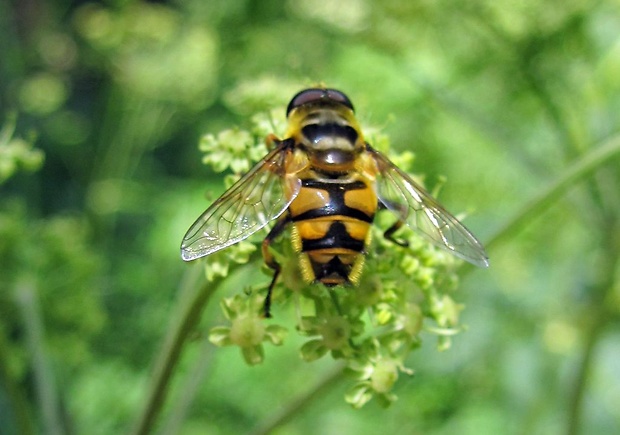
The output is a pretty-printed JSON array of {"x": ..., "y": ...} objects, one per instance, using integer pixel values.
[
  {"x": 413, "y": 205},
  {"x": 259, "y": 197}
]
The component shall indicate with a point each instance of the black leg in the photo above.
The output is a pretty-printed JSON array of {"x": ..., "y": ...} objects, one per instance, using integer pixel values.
[
  {"x": 389, "y": 234},
  {"x": 270, "y": 261}
]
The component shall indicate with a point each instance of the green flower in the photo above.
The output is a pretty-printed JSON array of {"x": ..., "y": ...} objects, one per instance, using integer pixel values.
[
  {"x": 219, "y": 263},
  {"x": 334, "y": 334},
  {"x": 238, "y": 150},
  {"x": 247, "y": 329},
  {"x": 231, "y": 149},
  {"x": 17, "y": 153},
  {"x": 376, "y": 376}
]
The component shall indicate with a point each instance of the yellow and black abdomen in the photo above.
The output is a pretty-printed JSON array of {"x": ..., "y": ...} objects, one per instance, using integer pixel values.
[{"x": 331, "y": 228}]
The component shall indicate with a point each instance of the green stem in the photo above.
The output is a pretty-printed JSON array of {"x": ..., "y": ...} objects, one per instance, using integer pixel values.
[
  {"x": 26, "y": 297},
  {"x": 297, "y": 405},
  {"x": 192, "y": 384},
  {"x": 597, "y": 317},
  {"x": 579, "y": 170},
  {"x": 581, "y": 378},
  {"x": 6, "y": 133},
  {"x": 15, "y": 395},
  {"x": 551, "y": 108},
  {"x": 188, "y": 316}
]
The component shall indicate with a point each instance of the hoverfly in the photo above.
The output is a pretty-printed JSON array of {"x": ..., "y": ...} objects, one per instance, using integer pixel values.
[{"x": 326, "y": 183}]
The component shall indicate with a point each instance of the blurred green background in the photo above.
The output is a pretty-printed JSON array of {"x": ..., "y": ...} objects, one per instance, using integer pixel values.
[{"x": 102, "y": 107}]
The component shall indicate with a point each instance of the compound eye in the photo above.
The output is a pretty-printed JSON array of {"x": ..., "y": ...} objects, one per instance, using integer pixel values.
[
  {"x": 317, "y": 95},
  {"x": 339, "y": 97}
]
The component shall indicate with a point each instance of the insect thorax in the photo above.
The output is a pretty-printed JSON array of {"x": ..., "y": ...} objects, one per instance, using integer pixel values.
[{"x": 330, "y": 137}]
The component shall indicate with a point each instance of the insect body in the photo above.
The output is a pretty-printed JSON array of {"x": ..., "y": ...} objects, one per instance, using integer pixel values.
[{"x": 326, "y": 183}]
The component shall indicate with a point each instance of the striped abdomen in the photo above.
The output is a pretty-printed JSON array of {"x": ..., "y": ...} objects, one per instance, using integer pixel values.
[{"x": 331, "y": 223}]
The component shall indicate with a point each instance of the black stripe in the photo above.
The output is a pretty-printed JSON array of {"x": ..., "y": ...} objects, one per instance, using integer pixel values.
[
  {"x": 318, "y": 184},
  {"x": 336, "y": 205},
  {"x": 336, "y": 237},
  {"x": 316, "y": 132}
]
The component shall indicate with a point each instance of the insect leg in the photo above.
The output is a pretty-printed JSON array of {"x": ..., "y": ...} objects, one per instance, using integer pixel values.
[
  {"x": 389, "y": 233},
  {"x": 269, "y": 259},
  {"x": 272, "y": 141}
]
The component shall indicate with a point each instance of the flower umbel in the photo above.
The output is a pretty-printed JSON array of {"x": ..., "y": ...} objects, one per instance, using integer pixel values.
[{"x": 372, "y": 327}]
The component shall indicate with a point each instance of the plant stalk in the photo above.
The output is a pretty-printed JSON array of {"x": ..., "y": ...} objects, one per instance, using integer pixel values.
[
  {"x": 188, "y": 316},
  {"x": 575, "y": 173}
]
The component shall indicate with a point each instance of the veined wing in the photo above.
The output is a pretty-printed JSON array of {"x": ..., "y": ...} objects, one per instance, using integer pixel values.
[
  {"x": 412, "y": 204},
  {"x": 259, "y": 197}
]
